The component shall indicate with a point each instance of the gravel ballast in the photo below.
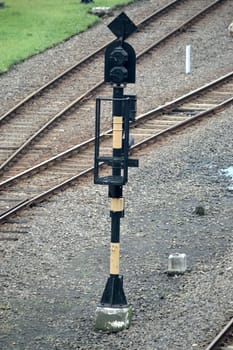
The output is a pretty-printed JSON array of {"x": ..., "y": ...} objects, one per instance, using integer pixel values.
[{"x": 53, "y": 277}]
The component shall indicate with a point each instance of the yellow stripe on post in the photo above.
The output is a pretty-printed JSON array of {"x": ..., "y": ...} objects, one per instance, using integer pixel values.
[
  {"x": 117, "y": 204},
  {"x": 115, "y": 259},
  {"x": 117, "y": 132}
]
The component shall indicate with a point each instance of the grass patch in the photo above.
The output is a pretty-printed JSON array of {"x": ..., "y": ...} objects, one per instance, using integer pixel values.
[{"x": 28, "y": 27}]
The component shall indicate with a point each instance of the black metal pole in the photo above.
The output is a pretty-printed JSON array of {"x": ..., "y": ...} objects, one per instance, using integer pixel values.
[
  {"x": 114, "y": 294},
  {"x": 120, "y": 67}
]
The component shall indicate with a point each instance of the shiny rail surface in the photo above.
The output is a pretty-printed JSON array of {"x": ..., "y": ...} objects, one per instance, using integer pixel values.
[
  {"x": 224, "y": 340},
  {"x": 43, "y": 180},
  {"x": 34, "y": 118}
]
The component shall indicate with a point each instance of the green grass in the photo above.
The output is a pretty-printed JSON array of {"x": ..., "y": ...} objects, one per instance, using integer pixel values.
[{"x": 28, "y": 27}]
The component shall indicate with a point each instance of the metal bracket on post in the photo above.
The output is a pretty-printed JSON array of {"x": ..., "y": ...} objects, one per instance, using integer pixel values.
[{"x": 121, "y": 160}]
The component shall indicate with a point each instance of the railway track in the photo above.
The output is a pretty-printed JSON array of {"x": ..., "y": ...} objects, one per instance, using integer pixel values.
[
  {"x": 48, "y": 177},
  {"x": 224, "y": 340},
  {"x": 47, "y": 121}
]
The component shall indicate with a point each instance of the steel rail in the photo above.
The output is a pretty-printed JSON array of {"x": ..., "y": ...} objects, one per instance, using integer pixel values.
[
  {"x": 180, "y": 27},
  {"x": 47, "y": 125},
  {"x": 84, "y": 60},
  {"x": 220, "y": 338},
  {"x": 168, "y": 106},
  {"x": 184, "y": 123},
  {"x": 151, "y": 113},
  {"x": 154, "y": 113},
  {"x": 101, "y": 83}
]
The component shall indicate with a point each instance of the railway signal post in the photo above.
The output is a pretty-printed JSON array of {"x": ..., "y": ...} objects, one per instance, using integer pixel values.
[{"x": 114, "y": 314}]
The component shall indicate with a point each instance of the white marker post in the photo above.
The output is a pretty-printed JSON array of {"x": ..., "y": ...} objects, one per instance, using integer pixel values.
[{"x": 188, "y": 59}]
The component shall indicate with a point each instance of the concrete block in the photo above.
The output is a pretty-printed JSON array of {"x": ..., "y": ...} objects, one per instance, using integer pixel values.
[
  {"x": 113, "y": 319},
  {"x": 177, "y": 263},
  {"x": 230, "y": 29},
  {"x": 102, "y": 11}
]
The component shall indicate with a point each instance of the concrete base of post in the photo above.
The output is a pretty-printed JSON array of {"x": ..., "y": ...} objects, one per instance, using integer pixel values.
[
  {"x": 113, "y": 319},
  {"x": 177, "y": 263}
]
